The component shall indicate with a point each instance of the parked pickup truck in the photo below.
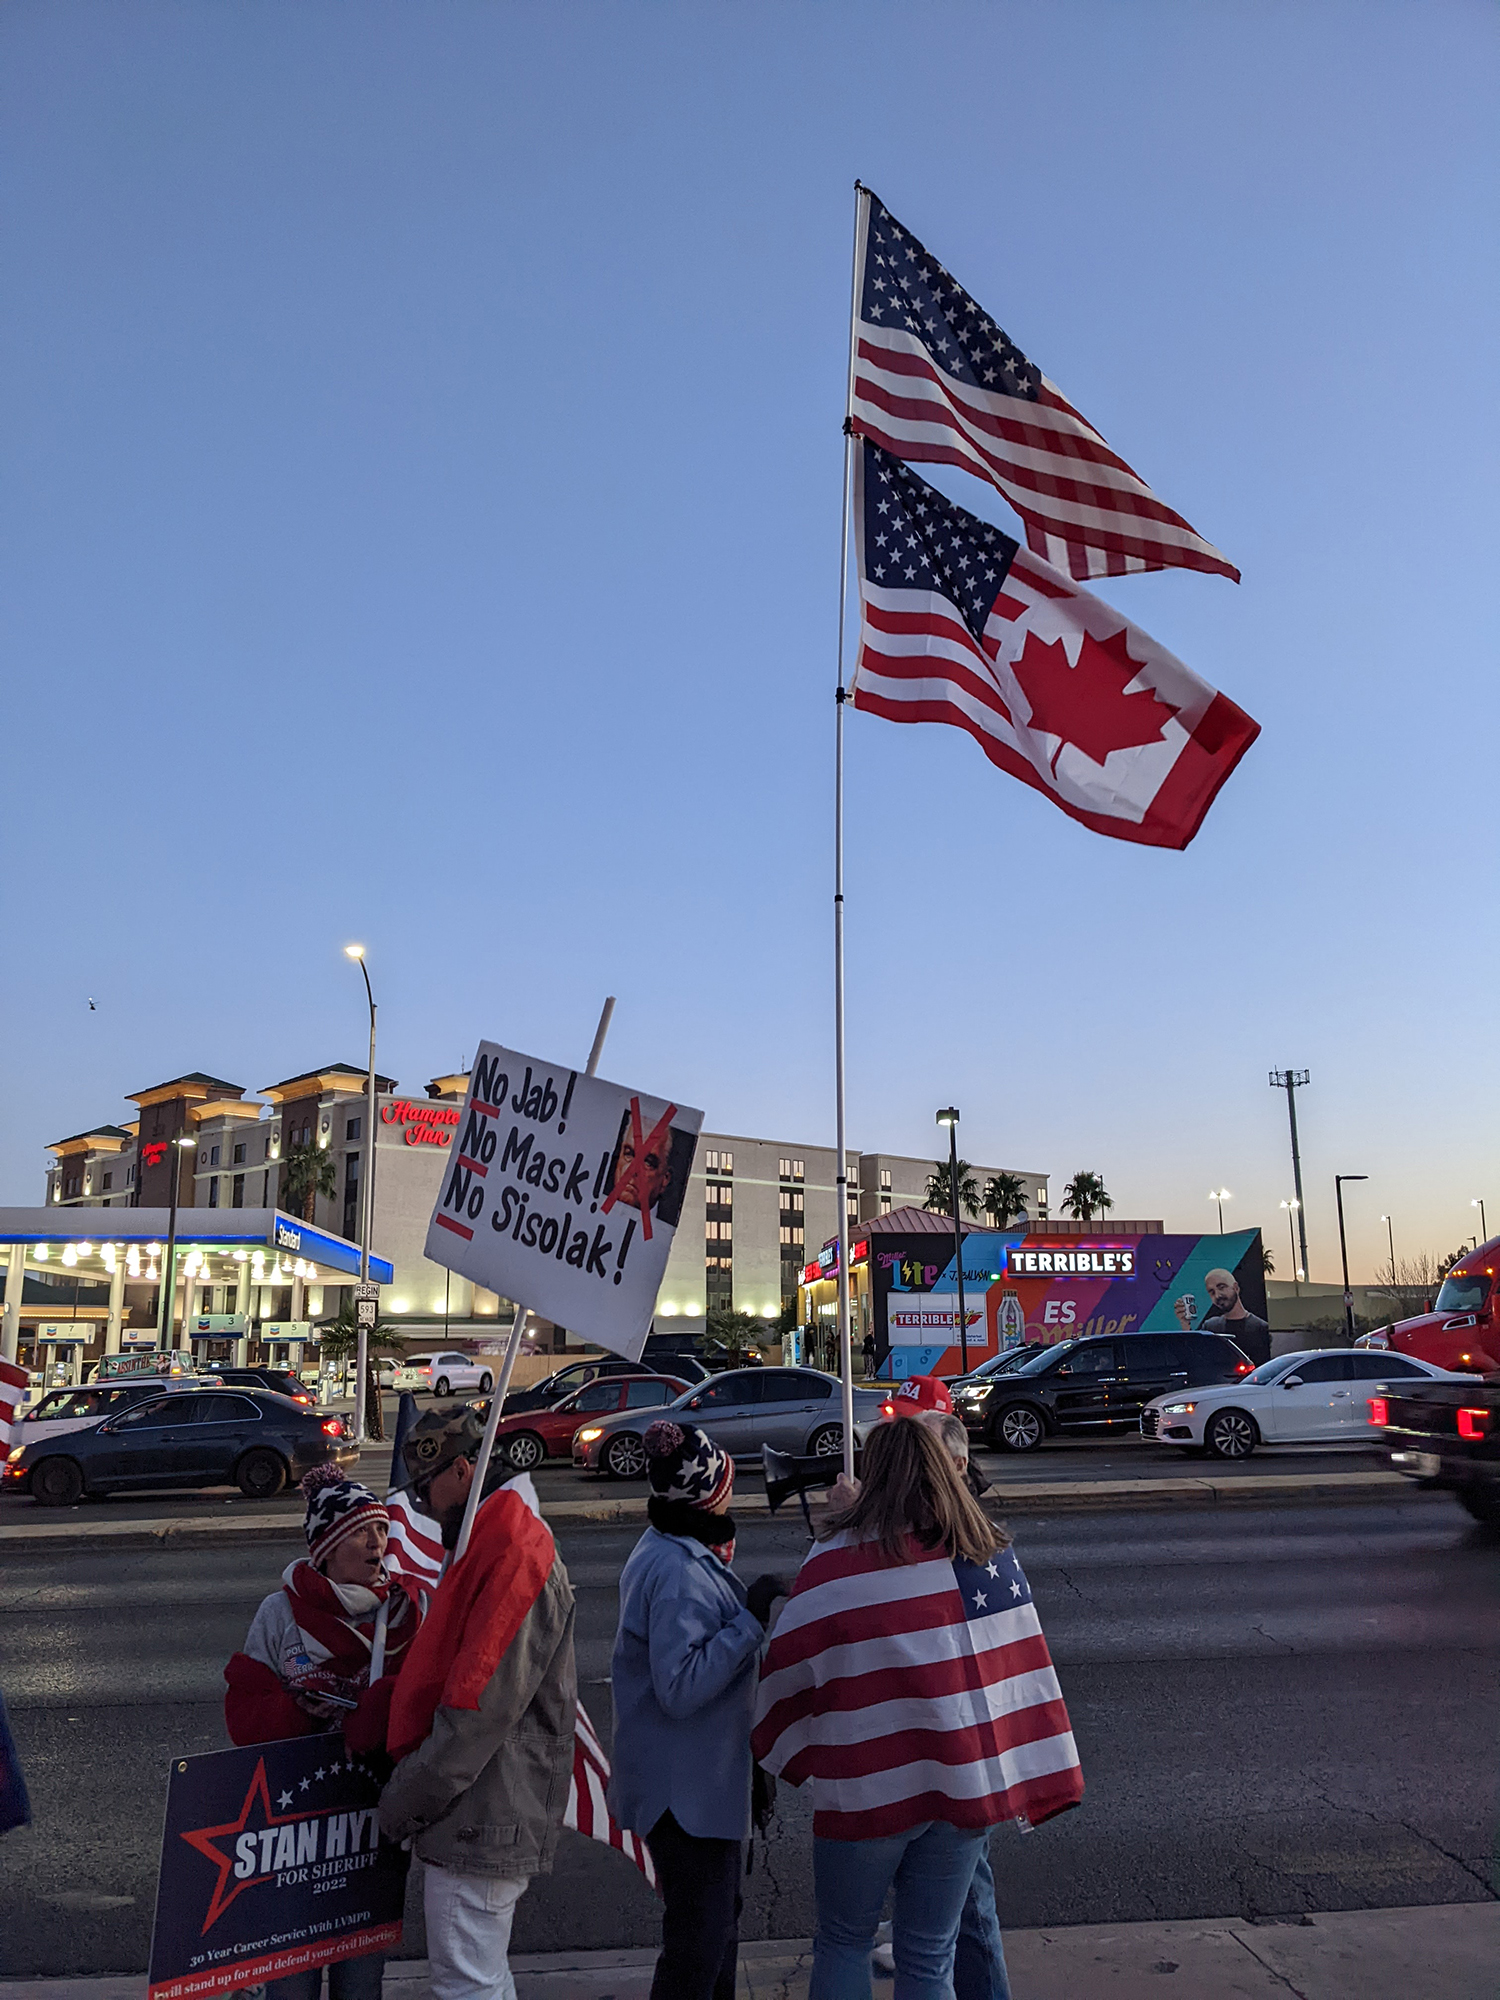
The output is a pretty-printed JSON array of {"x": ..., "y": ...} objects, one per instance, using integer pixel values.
[{"x": 1446, "y": 1434}]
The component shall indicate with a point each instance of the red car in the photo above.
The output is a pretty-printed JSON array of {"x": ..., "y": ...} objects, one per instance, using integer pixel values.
[{"x": 533, "y": 1435}]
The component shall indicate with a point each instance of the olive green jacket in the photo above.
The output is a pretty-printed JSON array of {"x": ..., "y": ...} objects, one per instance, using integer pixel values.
[{"x": 485, "y": 1793}]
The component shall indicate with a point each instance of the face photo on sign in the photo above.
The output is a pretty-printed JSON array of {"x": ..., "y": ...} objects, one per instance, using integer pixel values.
[{"x": 664, "y": 1171}]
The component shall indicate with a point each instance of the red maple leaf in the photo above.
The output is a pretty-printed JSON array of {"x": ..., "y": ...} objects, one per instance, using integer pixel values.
[{"x": 1086, "y": 705}]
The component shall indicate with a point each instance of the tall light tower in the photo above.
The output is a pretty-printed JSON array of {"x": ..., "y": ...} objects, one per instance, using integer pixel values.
[
  {"x": 1291, "y": 1081},
  {"x": 366, "y": 1210}
]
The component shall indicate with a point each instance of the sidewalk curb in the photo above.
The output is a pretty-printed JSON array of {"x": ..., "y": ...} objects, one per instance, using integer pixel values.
[
  {"x": 1442, "y": 1951},
  {"x": 1084, "y": 1496}
]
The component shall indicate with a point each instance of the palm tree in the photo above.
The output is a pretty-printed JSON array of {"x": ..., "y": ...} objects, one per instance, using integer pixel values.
[
  {"x": 1004, "y": 1196},
  {"x": 1267, "y": 1261},
  {"x": 1086, "y": 1196},
  {"x": 307, "y": 1172},
  {"x": 940, "y": 1194},
  {"x": 338, "y": 1342}
]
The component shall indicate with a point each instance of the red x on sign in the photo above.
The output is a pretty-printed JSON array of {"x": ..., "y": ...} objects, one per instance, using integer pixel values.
[{"x": 642, "y": 1181}]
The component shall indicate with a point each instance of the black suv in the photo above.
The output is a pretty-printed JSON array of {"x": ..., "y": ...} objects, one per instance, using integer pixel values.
[
  {"x": 1092, "y": 1388},
  {"x": 281, "y": 1381}
]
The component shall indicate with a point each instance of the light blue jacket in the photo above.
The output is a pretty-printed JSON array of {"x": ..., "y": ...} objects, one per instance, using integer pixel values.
[{"x": 683, "y": 1673}]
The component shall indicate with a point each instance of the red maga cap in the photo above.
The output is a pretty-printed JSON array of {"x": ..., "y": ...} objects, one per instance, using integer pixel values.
[{"x": 921, "y": 1392}]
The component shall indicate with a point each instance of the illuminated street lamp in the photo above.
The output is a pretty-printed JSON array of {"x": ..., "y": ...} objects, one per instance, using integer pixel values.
[
  {"x": 366, "y": 1210},
  {"x": 1291, "y": 1208},
  {"x": 1220, "y": 1195},
  {"x": 1338, "y": 1196},
  {"x": 166, "y": 1298},
  {"x": 949, "y": 1117}
]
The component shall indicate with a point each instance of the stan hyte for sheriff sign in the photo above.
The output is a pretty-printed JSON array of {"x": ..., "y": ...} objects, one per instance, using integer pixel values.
[
  {"x": 271, "y": 1863},
  {"x": 563, "y": 1192}
]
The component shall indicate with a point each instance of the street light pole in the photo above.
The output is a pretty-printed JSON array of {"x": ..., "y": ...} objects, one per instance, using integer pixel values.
[
  {"x": 1391, "y": 1241},
  {"x": 1220, "y": 1195},
  {"x": 1291, "y": 1208},
  {"x": 1291, "y": 1081},
  {"x": 167, "y": 1299},
  {"x": 950, "y": 1119},
  {"x": 1484, "y": 1228},
  {"x": 366, "y": 1211},
  {"x": 1338, "y": 1196}
]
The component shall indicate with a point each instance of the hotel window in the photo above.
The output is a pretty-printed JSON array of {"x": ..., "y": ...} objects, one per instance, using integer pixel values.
[
  {"x": 351, "y": 1196},
  {"x": 791, "y": 1235},
  {"x": 789, "y": 1170},
  {"x": 718, "y": 1163},
  {"x": 885, "y": 1204},
  {"x": 213, "y": 1190},
  {"x": 213, "y": 1156},
  {"x": 266, "y": 1152},
  {"x": 719, "y": 1194},
  {"x": 265, "y": 1189},
  {"x": 718, "y": 1232},
  {"x": 885, "y": 1180},
  {"x": 351, "y": 1128},
  {"x": 238, "y": 1156},
  {"x": 236, "y": 1200},
  {"x": 792, "y": 1200},
  {"x": 108, "y": 1182},
  {"x": 130, "y": 1177}
]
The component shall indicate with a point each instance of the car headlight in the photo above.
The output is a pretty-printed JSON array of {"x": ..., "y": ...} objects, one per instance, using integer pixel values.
[
  {"x": 11, "y": 1457},
  {"x": 588, "y": 1436},
  {"x": 1178, "y": 1409}
]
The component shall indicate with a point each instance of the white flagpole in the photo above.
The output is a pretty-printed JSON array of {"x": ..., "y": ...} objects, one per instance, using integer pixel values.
[
  {"x": 846, "y": 1335},
  {"x": 513, "y": 1345}
]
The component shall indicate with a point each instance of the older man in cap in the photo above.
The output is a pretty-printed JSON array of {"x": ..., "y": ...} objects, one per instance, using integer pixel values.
[{"x": 482, "y": 1715}]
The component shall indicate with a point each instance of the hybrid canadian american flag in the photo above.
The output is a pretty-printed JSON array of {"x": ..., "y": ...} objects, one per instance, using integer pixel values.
[
  {"x": 906, "y": 1692},
  {"x": 962, "y": 625},
  {"x": 936, "y": 380}
]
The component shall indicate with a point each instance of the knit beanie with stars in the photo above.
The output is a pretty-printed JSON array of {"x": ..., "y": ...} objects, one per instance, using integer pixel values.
[{"x": 336, "y": 1507}]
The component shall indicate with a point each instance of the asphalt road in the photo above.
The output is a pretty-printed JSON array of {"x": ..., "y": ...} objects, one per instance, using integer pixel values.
[
  {"x": 1065, "y": 1460},
  {"x": 1278, "y": 1709}
]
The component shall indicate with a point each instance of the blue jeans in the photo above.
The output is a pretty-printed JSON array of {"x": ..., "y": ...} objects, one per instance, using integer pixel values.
[
  {"x": 979, "y": 1957},
  {"x": 932, "y": 1867}
]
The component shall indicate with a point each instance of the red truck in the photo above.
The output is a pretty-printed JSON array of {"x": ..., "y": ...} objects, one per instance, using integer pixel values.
[{"x": 1462, "y": 1332}]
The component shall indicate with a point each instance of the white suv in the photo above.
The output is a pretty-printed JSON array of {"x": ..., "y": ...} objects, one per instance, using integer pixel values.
[{"x": 442, "y": 1374}]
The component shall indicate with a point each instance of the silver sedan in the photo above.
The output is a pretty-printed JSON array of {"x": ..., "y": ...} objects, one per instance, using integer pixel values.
[{"x": 794, "y": 1409}]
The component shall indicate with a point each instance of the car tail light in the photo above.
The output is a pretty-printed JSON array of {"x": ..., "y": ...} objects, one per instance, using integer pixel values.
[
  {"x": 1473, "y": 1424},
  {"x": 334, "y": 1426},
  {"x": 1242, "y": 1367},
  {"x": 888, "y": 1408},
  {"x": 299, "y": 1398},
  {"x": 1380, "y": 1411}
]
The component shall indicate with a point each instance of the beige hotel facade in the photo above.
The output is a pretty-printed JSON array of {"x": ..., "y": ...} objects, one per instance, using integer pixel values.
[{"x": 756, "y": 1210}]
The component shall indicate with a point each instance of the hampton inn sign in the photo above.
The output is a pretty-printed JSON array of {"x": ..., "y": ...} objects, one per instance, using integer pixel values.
[{"x": 422, "y": 1124}]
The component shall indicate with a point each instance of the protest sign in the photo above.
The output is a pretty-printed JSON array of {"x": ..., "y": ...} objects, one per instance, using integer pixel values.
[
  {"x": 563, "y": 1192},
  {"x": 271, "y": 1863}
]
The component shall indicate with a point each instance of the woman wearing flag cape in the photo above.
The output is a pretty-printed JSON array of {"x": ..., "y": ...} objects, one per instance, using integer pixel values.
[{"x": 909, "y": 1683}]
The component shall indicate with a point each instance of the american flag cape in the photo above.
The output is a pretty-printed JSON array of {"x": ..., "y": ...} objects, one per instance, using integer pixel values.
[
  {"x": 960, "y": 624},
  {"x": 914, "y": 1691},
  {"x": 935, "y": 379},
  {"x": 415, "y": 1549}
]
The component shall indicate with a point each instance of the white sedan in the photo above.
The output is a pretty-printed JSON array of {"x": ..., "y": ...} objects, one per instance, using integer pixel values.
[
  {"x": 1320, "y": 1396},
  {"x": 444, "y": 1374}
]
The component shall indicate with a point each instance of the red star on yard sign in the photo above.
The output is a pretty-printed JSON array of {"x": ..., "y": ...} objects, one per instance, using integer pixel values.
[
  {"x": 1086, "y": 705},
  {"x": 203, "y": 1839}
]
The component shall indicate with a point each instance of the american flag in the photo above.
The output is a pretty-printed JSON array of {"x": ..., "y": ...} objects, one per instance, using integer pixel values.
[
  {"x": 935, "y": 379},
  {"x": 914, "y": 1691},
  {"x": 415, "y": 1549},
  {"x": 962, "y": 625},
  {"x": 13, "y": 1385}
]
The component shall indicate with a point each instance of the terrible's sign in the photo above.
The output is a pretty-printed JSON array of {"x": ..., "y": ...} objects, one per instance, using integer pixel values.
[
  {"x": 272, "y": 1864},
  {"x": 563, "y": 1192}
]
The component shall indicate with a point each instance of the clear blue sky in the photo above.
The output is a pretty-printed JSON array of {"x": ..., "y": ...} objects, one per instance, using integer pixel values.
[{"x": 421, "y": 462}]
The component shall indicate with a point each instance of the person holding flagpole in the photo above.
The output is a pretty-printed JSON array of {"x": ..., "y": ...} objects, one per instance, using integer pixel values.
[
  {"x": 908, "y": 1682},
  {"x": 482, "y": 1717}
]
